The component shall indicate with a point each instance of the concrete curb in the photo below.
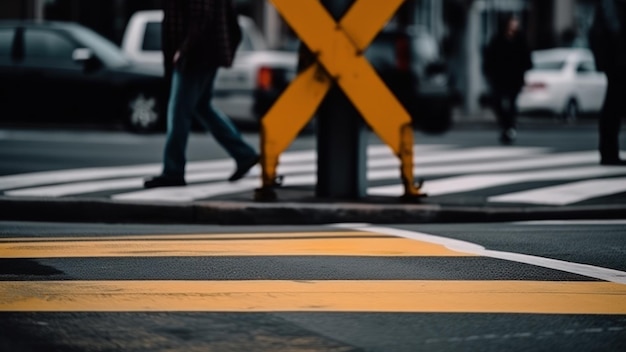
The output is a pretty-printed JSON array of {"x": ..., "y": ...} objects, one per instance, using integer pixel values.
[{"x": 288, "y": 213}]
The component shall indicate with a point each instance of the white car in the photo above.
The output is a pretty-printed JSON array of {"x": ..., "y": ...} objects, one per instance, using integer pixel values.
[
  {"x": 246, "y": 90},
  {"x": 563, "y": 82}
]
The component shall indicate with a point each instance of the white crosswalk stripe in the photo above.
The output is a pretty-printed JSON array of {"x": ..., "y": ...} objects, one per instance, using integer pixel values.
[
  {"x": 476, "y": 182},
  {"x": 566, "y": 194},
  {"x": 447, "y": 169}
]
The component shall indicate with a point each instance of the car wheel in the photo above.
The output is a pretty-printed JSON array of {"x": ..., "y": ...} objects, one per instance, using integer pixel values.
[
  {"x": 570, "y": 112},
  {"x": 144, "y": 113}
]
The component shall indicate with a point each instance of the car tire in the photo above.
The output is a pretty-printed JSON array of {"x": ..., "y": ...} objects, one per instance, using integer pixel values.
[
  {"x": 143, "y": 112},
  {"x": 571, "y": 111}
]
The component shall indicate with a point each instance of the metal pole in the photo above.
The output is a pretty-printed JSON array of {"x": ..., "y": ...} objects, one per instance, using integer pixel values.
[
  {"x": 473, "y": 57},
  {"x": 341, "y": 138},
  {"x": 39, "y": 10},
  {"x": 271, "y": 26}
]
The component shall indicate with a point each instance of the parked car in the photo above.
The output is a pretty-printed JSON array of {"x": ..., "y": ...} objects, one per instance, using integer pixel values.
[
  {"x": 409, "y": 62},
  {"x": 563, "y": 82},
  {"x": 60, "y": 72},
  {"x": 244, "y": 91}
]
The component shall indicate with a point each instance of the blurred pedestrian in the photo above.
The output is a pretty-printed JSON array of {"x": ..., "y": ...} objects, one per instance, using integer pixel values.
[
  {"x": 506, "y": 60},
  {"x": 608, "y": 42},
  {"x": 199, "y": 36}
]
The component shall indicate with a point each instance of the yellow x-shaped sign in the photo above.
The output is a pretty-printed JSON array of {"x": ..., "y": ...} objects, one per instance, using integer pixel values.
[{"x": 339, "y": 49}]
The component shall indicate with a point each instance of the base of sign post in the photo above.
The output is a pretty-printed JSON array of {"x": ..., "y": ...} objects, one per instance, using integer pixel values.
[
  {"x": 265, "y": 194},
  {"x": 415, "y": 196},
  {"x": 341, "y": 149},
  {"x": 268, "y": 193}
]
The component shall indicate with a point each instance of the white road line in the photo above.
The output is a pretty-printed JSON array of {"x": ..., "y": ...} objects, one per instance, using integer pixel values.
[
  {"x": 100, "y": 173},
  {"x": 475, "y": 182},
  {"x": 200, "y": 191},
  {"x": 300, "y": 168},
  {"x": 190, "y": 192},
  {"x": 90, "y": 180},
  {"x": 385, "y": 151},
  {"x": 35, "y": 179},
  {"x": 77, "y": 188},
  {"x": 68, "y": 189},
  {"x": 591, "y": 271},
  {"x": 565, "y": 194},
  {"x": 570, "y": 222},
  {"x": 532, "y": 161},
  {"x": 195, "y": 192},
  {"x": 461, "y": 155},
  {"x": 384, "y": 159},
  {"x": 64, "y": 176},
  {"x": 63, "y": 190},
  {"x": 555, "y": 160}
]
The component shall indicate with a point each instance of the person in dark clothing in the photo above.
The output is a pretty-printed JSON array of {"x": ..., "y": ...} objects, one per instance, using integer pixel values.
[
  {"x": 506, "y": 60},
  {"x": 607, "y": 40},
  {"x": 199, "y": 36}
]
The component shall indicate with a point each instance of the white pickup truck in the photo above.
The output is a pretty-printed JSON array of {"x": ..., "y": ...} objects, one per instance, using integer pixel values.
[{"x": 246, "y": 90}]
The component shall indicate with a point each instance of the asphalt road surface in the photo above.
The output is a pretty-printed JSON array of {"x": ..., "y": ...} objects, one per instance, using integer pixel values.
[
  {"x": 550, "y": 164},
  {"x": 533, "y": 286}
]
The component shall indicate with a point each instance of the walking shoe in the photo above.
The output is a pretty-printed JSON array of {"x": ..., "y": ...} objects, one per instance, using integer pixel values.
[
  {"x": 613, "y": 162},
  {"x": 243, "y": 168},
  {"x": 508, "y": 136},
  {"x": 163, "y": 181}
]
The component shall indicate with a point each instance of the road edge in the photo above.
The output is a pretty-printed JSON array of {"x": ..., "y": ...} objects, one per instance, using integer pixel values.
[{"x": 288, "y": 213}]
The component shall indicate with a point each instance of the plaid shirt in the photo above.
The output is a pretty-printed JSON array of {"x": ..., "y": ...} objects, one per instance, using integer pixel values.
[{"x": 206, "y": 33}]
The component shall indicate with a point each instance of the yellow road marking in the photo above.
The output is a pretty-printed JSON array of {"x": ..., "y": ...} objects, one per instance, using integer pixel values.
[
  {"x": 315, "y": 244},
  {"x": 227, "y": 236},
  {"x": 310, "y": 296}
]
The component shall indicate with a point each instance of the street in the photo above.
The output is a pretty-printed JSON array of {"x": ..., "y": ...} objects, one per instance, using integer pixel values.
[
  {"x": 449, "y": 286},
  {"x": 531, "y": 286},
  {"x": 551, "y": 164},
  {"x": 433, "y": 175}
]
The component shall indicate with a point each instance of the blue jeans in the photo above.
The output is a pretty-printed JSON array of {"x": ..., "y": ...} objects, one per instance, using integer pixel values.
[{"x": 190, "y": 98}]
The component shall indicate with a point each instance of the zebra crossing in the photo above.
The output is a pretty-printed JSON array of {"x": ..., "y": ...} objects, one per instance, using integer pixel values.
[{"x": 571, "y": 177}]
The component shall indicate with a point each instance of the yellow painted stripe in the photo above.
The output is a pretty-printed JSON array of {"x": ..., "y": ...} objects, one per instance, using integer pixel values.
[
  {"x": 299, "y": 101},
  {"x": 199, "y": 236},
  {"x": 311, "y": 296},
  {"x": 230, "y": 245}
]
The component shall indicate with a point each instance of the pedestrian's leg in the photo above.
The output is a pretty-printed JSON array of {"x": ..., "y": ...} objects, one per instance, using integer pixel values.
[
  {"x": 498, "y": 108},
  {"x": 609, "y": 124},
  {"x": 506, "y": 117},
  {"x": 513, "y": 113},
  {"x": 183, "y": 97},
  {"x": 224, "y": 131}
]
